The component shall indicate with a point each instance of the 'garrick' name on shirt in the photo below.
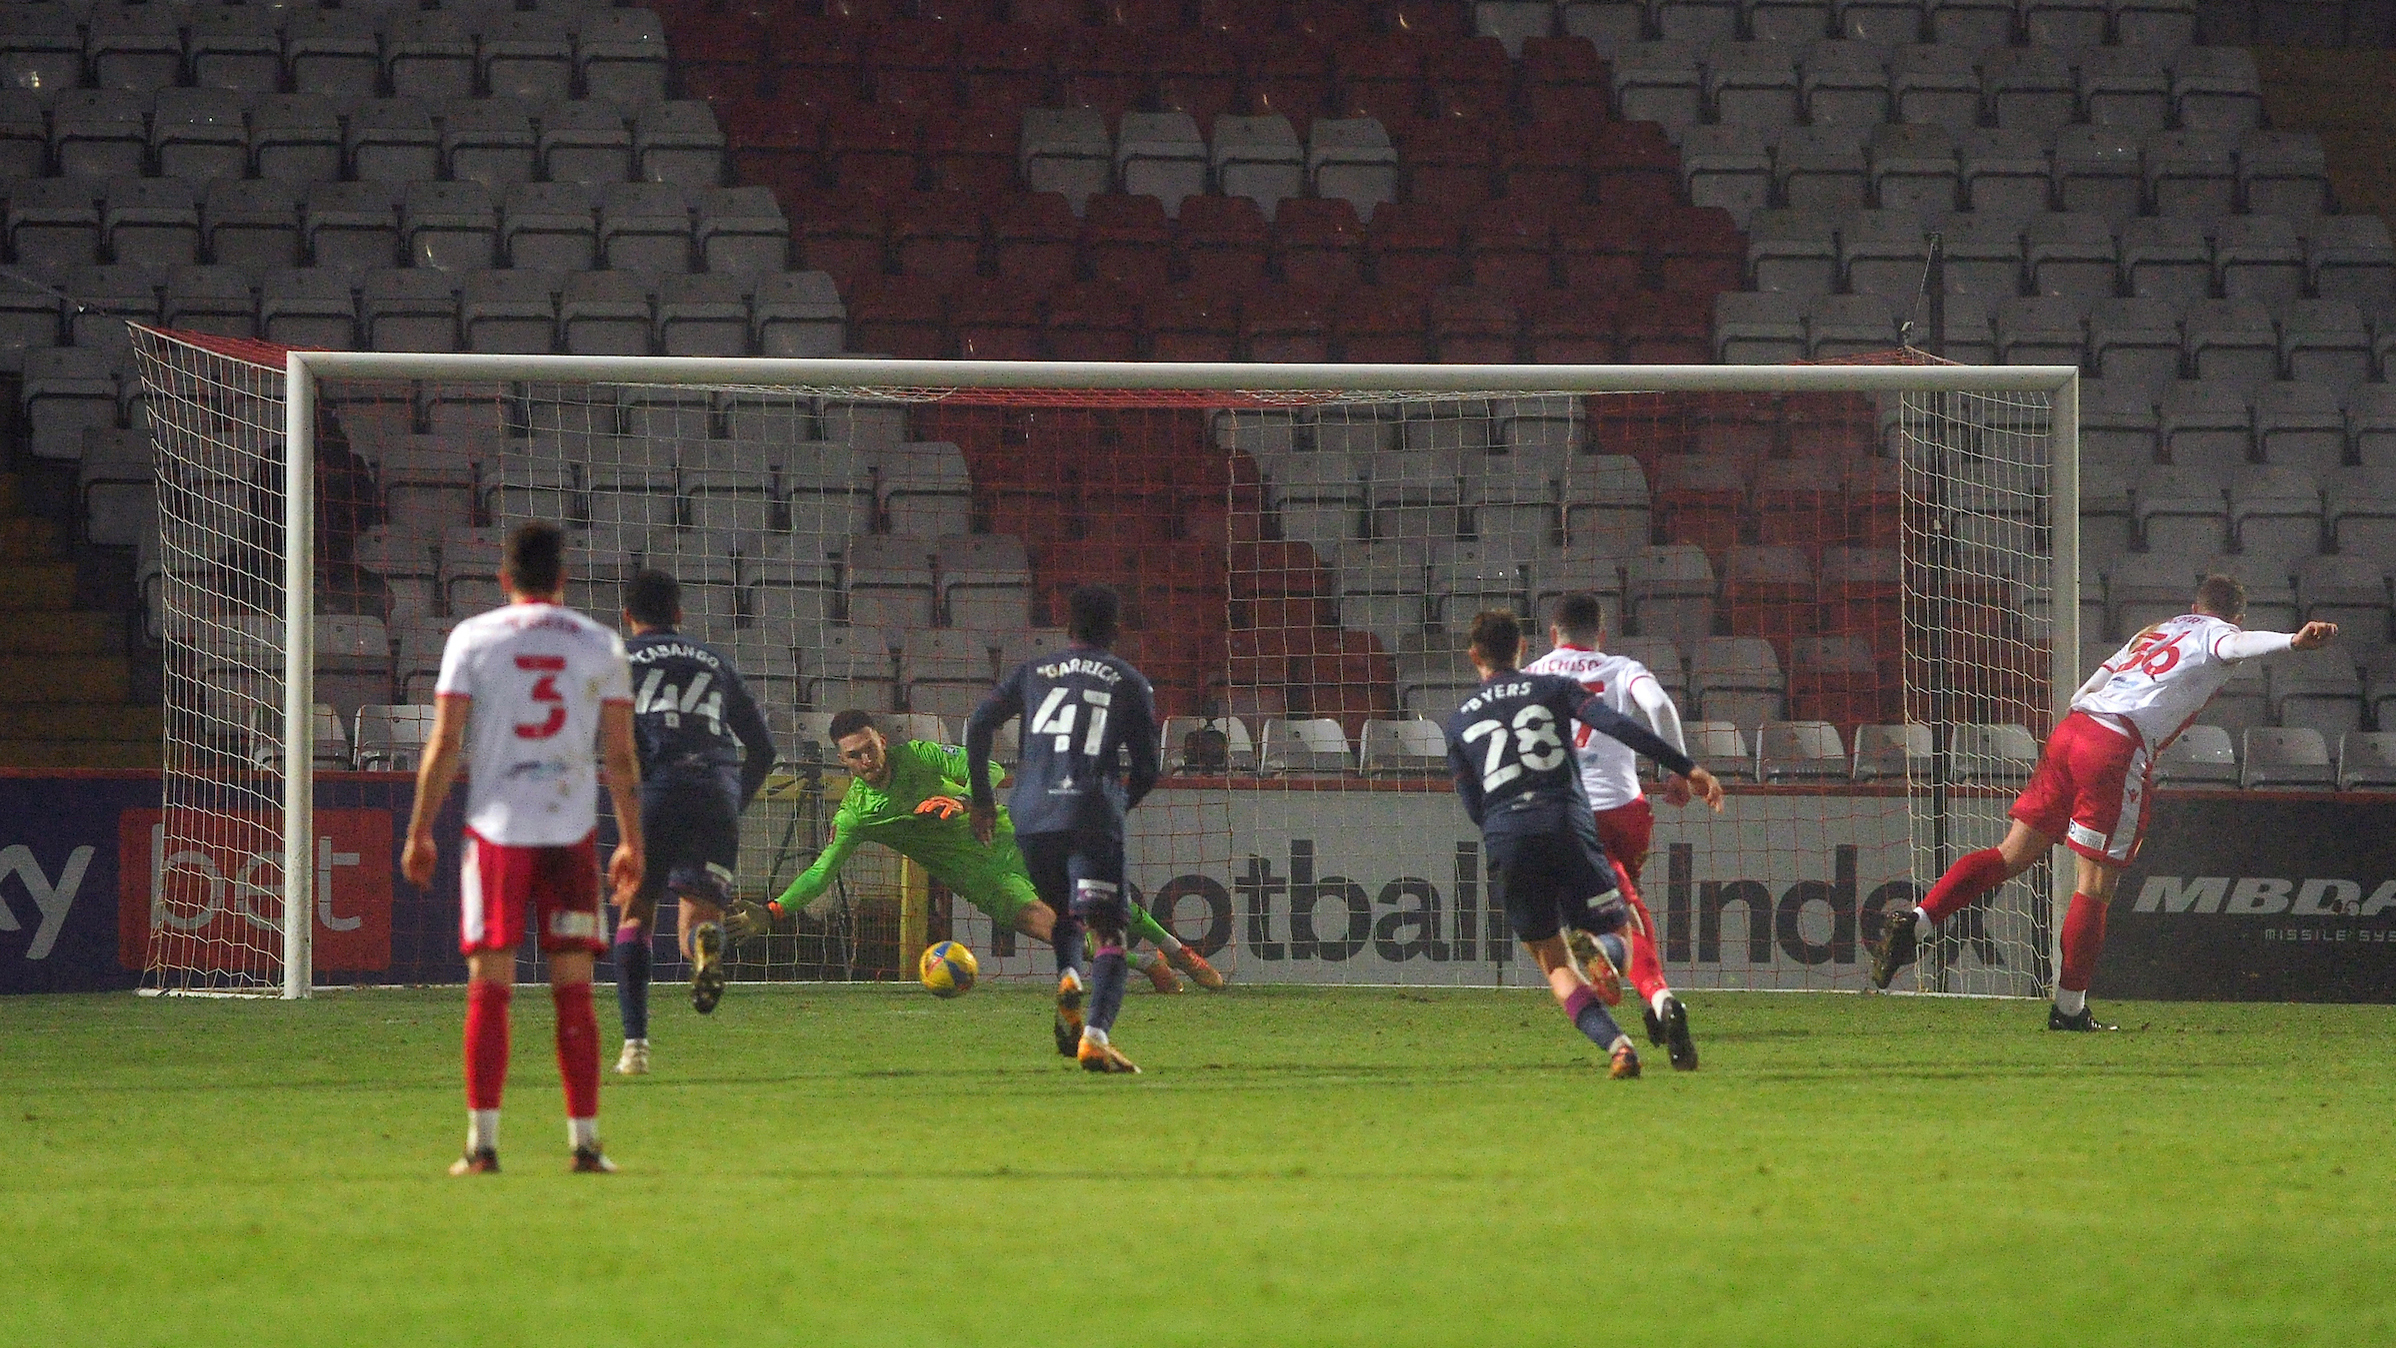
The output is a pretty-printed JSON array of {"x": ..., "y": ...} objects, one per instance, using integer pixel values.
[{"x": 1098, "y": 669}]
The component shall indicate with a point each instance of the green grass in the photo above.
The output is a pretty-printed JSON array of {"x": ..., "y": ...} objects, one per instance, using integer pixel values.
[{"x": 1365, "y": 1167}]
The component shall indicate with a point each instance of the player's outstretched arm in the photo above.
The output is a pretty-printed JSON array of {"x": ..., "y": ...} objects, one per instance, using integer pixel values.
[
  {"x": 1606, "y": 721},
  {"x": 434, "y": 776},
  {"x": 1004, "y": 703},
  {"x": 817, "y": 879},
  {"x": 1146, "y": 745},
  {"x": 620, "y": 760},
  {"x": 756, "y": 739}
]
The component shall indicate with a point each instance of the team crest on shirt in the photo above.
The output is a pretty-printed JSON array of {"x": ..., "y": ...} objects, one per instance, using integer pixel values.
[{"x": 946, "y": 807}]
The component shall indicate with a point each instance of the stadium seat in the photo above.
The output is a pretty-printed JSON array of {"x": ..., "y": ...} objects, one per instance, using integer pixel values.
[
  {"x": 2070, "y": 255},
  {"x": 524, "y": 57},
  {"x": 2167, "y": 258},
  {"x": 925, "y": 491},
  {"x": 1351, "y": 159},
  {"x": 2320, "y": 689},
  {"x": 2124, "y": 88},
  {"x": 1315, "y": 746},
  {"x": 1516, "y": 496},
  {"x": 937, "y": 236},
  {"x": 1721, "y": 747},
  {"x": 408, "y": 310},
  {"x": 1768, "y": 592},
  {"x": 2295, "y": 759},
  {"x": 582, "y": 141},
  {"x": 1800, "y": 751},
  {"x": 2350, "y": 258},
  {"x": 2135, "y": 343},
  {"x": 946, "y": 671},
  {"x": 2209, "y": 425},
  {"x": 2148, "y": 588},
  {"x": 1914, "y": 170},
  {"x": 311, "y": 307},
  {"x": 449, "y": 226},
  {"x": 1737, "y": 679},
  {"x": 607, "y": 313},
  {"x": 1466, "y": 578},
  {"x": 621, "y": 56},
  {"x": 703, "y": 315},
  {"x": 1859, "y": 590},
  {"x": 2004, "y": 171},
  {"x": 2275, "y": 515},
  {"x": 2231, "y": 343},
  {"x": 2349, "y": 590},
  {"x": 1750, "y": 84},
  {"x": 2371, "y": 425},
  {"x": 1993, "y": 753},
  {"x": 2040, "y": 330},
  {"x": 488, "y": 141},
  {"x": 2260, "y": 258},
  {"x": 1239, "y": 745},
  {"x": 2192, "y": 174},
  {"x": 1034, "y": 237},
  {"x": 2216, "y": 89},
  {"x": 679, "y": 143},
  {"x": 221, "y": 300},
  {"x": 1821, "y": 168},
  {"x": 99, "y": 133},
  {"x": 2202, "y": 755},
  {"x": 550, "y": 227},
  {"x": 1762, "y": 328},
  {"x": 1658, "y": 81},
  {"x": 854, "y": 667},
  {"x": 2100, "y": 170},
  {"x": 1199, "y": 322},
  {"x": 2367, "y": 762},
  {"x": 2325, "y": 343},
  {"x": 2166, "y": 25},
  {"x": 2283, "y": 173},
  {"x": 644, "y": 227},
  {"x": 1886, "y": 751},
  {"x": 1707, "y": 21},
  {"x": 391, "y": 140},
  {"x": 2119, "y": 425},
  {"x": 1849, "y": 325},
  {"x": 198, "y": 134},
  {"x": 352, "y": 224},
  {"x": 1412, "y": 748},
  {"x": 391, "y": 738}
]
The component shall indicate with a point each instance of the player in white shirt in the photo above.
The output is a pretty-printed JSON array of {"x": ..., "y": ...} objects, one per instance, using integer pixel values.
[
  {"x": 2091, "y": 786},
  {"x": 1626, "y": 824},
  {"x": 525, "y": 692}
]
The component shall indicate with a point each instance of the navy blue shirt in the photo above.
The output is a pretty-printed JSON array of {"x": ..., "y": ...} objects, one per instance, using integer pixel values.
[
  {"x": 692, "y": 717},
  {"x": 1510, "y": 748},
  {"x": 1089, "y": 738}
]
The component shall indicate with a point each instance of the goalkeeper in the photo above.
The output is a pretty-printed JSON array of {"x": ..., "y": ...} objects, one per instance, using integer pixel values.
[{"x": 911, "y": 798}]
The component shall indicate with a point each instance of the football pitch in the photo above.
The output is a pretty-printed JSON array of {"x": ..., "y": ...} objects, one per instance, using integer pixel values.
[{"x": 1355, "y": 1166}]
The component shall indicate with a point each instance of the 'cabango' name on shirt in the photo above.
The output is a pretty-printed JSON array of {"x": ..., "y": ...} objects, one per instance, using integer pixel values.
[
  {"x": 1081, "y": 665},
  {"x": 649, "y": 655},
  {"x": 1497, "y": 692}
]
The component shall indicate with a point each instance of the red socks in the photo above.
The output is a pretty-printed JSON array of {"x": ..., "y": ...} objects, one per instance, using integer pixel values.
[
  {"x": 1647, "y": 968},
  {"x": 2083, "y": 941},
  {"x": 577, "y": 1048},
  {"x": 1972, "y": 875},
  {"x": 486, "y": 1043}
]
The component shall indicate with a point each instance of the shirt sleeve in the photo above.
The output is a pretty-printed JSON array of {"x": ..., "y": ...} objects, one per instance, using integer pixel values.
[
  {"x": 816, "y": 878},
  {"x": 1141, "y": 737},
  {"x": 615, "y": 683},
  {"x": 1595, "y": 714},
  {"x": 749, "y": 727},
  {"x": 1657, "y": 706},
  {"x": 2235, "y": 645},
  {"x": 1468, "y": 782},
  {"x": 1004, "y": 703},
  {"x": 457, "y": 669}
]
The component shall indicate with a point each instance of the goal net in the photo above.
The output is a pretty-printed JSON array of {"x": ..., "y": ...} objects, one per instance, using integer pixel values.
[{"x": 1852, "y": 580}]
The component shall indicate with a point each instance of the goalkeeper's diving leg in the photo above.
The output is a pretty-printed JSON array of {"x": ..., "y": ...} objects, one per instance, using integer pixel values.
[{"x": 1011, "y": 900}]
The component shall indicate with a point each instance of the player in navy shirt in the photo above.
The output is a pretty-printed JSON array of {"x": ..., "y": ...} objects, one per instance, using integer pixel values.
[
  {"x": 704, "y": 752},
  {"x": 1510, "y": 747},
  {"x": 1090, "y": 754}
]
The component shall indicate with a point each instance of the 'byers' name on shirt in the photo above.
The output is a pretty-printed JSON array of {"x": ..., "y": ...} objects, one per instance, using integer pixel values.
[
  {"x": 1496, "y": 692},
  {"x": 1101, "y": 670}
]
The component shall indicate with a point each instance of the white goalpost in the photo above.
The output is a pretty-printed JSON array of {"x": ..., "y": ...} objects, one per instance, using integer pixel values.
[{"x": 1298, "y": 546}]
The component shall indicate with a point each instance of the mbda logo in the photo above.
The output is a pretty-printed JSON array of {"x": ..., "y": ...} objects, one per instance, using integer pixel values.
[{"x": 2263, "y": 896}]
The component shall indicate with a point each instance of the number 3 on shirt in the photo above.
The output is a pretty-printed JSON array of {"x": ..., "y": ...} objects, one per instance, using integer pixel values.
[
  {"x": 1056, "y": 715},
  {"x": 1535, "y": 742},
  {"x": 544, "y": 689}
]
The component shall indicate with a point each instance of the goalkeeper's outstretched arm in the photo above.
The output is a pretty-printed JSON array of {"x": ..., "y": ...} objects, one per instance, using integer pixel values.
[{"x": 817, "y": 878}]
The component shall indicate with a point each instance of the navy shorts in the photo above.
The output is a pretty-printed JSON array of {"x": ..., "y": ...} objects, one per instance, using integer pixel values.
[
  {"x": 1080, "y": 874},
  {"x": 691, "y": 829},
  {"x": 1549, "y": 881}
]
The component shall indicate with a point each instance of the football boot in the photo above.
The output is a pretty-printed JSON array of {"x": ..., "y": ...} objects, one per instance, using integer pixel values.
[
  {"x": 1193, "y": 964},
  {"x": 707, "y": 967},
  {"x": 1895, "y": 949}
]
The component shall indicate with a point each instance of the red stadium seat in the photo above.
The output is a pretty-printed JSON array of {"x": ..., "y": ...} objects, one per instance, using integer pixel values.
[
  {"x": 1261, "y": 570},
  {"x": 1006, "y": 66},
  {"x": 1045, "y": 14},
  {"x": 1768, "y": 592},
  {"x": 972, "y": 154},
  {"x": 1840, "y": 680},
  {"x": 1191, "y": 322},
  {"x": 900, "y": 316},
  {"x": 1417, "y": 244},
  {"x": 1104, "y": 68},
  {"x": 1471, "y": 78},
  {"x": 1152, "y": 15},
  {"x": 1035, "y": 237},
  {"x": 1289, "y": 75},
  {"x": 1380, "y": 75},
  {"x": 1548, "y": 164},
  {"x": 1260, "y": 657},
  {"x": 1474, "y": 325},
  {"x": 1633, "y": 165},
  {"x": 717, "y": 54},
  {"x": 1382, "y": 324},
  {"x": 1287, "y": 323},
  {"x": 1859, "y": 593},
  {"x": 913, "y": 63},
  {"x": 1875, "y": 500},
  {"x": 995, "y": 319},
  {"x": 1448, "y": 160},
  {"x": 1697, "y": 248},
  {"x": 1511, "y": 244},
  {"x": 1239, "y": 19},
  {"x": 1128, "y": 241},
  {"x": 774, "y": 141},
  {"x": 839, "y": 234},
  {"x": 1600, "y": 252},
  {"x": 1831, "y": 427},
  {"x": 1562, "y": 327},
  {"x": 874, "y": 149},
  {"x": 1666, "y": 327},
  {"x": 1746, "y": 425},
  {"x": 805, "y": 49},
  {"x": 977, "y": 431},
  {"x": 1701, "y": 499},
  {"x": 1564, "y": 81},
  {"x": 1196, "y": 73},
  {"x": 1224, "y": 238},
  {"x": 1444, "y": 19},
  {"x": 1330, "y": 21},
  {"x": 1800, "y": 503},
  {"x": 1320, "y": 242},
  {"x": 937, "y": 235},
  {"x": 1092, "y": 321}
]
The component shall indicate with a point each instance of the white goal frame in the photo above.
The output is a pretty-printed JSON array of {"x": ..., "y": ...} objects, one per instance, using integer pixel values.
[{"x": 303, "y": 370}]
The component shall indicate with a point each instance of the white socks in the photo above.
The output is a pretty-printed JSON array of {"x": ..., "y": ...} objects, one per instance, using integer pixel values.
[
  {"x": 1170, "y": 944},
  {"x": 2069, "y": 1002},
  {"x": 582, "y": 1133},
  {"x": 1656, "y": 1003},
  {"x": 1092, "y": 1035},
  {"x": 1923, "y": 927},
  {"x": 482, "y": 1130}
]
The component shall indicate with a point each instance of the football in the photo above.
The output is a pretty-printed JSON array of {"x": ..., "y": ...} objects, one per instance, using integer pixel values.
[{"x": 948, "y": 968}]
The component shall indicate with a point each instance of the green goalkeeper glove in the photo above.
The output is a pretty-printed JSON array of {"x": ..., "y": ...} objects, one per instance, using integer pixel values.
[{"x": 748, "y": 917}]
